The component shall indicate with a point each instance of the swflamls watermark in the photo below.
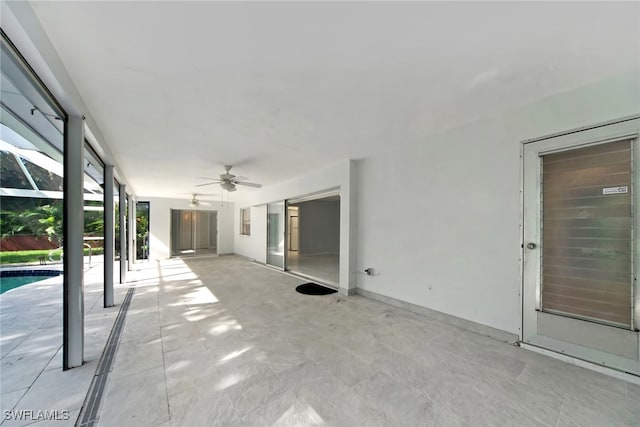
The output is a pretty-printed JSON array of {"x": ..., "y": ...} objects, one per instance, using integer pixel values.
[{"x": 39, "y": 415}]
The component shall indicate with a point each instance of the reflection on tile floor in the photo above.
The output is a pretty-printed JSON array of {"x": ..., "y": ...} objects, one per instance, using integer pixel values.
[
  {"x": 322, "y": 266},
  {"x": 224, "y": 342}
]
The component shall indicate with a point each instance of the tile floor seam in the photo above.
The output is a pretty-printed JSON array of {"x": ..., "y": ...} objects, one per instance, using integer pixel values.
[
  {"x": 53, "y": 357},
  {"x": 18, "y": 344},
  {"x": 93, "y": 306},
  {"x": 34, "y": 381},
  {"x": 56, "y": 314},
  {"x": 28, "y": 352}
]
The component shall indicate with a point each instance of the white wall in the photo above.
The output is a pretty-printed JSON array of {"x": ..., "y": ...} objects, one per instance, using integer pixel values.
[
  {"x": 250, "y": 246},
  {"x": 160, "y": 224},
  {"x": 445, "y": 233},
  {"x": 339, "y": 175}
]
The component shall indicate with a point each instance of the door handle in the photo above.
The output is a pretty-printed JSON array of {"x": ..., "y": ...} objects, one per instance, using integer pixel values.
[{"x": 531, "y": 245}]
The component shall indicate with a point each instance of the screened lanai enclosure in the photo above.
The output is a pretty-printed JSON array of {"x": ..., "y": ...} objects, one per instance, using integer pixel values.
[
  {"x": 32, "y": 126},
  {"x": 32, "y": 199}
]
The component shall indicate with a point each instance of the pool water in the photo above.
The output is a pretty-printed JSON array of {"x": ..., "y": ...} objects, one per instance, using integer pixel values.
[{"x": 15, "y": 281}]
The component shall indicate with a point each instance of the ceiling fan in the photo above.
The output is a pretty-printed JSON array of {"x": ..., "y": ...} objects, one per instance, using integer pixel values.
[
  {"x": 195, "y": 202},
  {"x": 228, "y": 181}
]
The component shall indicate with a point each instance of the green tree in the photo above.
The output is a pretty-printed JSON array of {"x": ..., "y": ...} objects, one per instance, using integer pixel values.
[
  {"x": 51, "y": 221},
  {"x": 142, "y": 230},
  {"x": 45, "y": 220}
]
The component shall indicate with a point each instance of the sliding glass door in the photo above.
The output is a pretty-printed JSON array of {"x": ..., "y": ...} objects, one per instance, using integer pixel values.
[
  {"x": 193, "y": 232},
  {"x": 276, "y": 234}
]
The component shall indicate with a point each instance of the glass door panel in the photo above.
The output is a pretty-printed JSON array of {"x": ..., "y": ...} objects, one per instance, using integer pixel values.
[
  {"x": 586, "y": 233},
  {"x": 181, "y": 233},
  {"x": 275, "y": 234}
]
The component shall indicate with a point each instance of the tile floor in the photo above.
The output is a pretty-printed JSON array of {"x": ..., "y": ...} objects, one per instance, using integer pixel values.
[
  {"x": 325, "y": 267},
  {"x": 225, "y": 342}
]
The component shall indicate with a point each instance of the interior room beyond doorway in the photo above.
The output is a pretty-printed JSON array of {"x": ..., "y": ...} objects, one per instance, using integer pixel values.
[
  {"x": 194, "y": 232},
  {"x": 313, "y": 238}
]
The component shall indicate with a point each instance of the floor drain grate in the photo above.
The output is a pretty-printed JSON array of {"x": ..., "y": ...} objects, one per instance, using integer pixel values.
[{"x": 90, "y": 412}]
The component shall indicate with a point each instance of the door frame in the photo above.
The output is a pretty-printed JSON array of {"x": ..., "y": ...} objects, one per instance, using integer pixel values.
[
  {"x": 290, "y": 228},
  {"x": 625, "y": 128},
  {"x": 284, "y": 235},
  {"x": 330, "y": 192}
]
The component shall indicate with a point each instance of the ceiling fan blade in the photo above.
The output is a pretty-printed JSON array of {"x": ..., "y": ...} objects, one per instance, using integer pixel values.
[
  {"x": 249, "y": 184},
  {"x": 208, "y": 183},
  {"x": 210, "y": 179}
]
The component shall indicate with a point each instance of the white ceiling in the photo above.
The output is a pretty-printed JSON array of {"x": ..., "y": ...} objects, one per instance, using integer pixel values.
[{"x": 181, "y": 88}]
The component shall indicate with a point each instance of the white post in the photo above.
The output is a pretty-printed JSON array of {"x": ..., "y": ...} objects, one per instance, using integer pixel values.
[
  {"x": 132, "y": 232},
  {"x": 109, "y": 236},
  {"x": 73, "y": 287},
  {"x": 123, "y": 232}
]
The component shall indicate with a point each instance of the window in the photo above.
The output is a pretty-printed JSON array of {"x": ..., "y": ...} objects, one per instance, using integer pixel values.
[{"x": 245, "y": 221}]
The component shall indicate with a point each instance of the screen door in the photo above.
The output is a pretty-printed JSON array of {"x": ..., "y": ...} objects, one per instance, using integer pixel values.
[{"x": 580, "y": 247}]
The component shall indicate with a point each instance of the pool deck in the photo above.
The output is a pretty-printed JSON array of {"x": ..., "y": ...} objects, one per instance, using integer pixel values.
[{"x": 31, "y": 376}]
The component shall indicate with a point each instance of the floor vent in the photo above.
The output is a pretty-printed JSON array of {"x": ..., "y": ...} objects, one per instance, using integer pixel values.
[{"x": 90, "y": 412}]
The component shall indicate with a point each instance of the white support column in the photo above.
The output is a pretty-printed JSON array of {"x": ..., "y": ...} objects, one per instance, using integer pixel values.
[
  {"x": 109, "y": 236},
  {"x": 132, "y": 232},
  {"x": 123, "y": 232},
  {"x": 73, "y": 287},
  {"x": 348, "y": 227}
]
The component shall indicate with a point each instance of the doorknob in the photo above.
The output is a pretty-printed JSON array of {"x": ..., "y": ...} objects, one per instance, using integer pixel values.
[{"x": 531, "y": 245}]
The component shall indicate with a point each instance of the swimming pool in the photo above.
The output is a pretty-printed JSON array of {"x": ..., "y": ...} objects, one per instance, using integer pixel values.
[{"x": 15, "y": 278}]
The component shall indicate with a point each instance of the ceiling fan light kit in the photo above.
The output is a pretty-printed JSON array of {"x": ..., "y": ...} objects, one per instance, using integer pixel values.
[{"x": 228, "y": 186}]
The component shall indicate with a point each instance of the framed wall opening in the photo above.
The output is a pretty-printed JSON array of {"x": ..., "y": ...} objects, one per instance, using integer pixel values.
[
  {"x": 142, "y": 230},
  {"x": 313, "y": 237},
  {"x": 194, "y": 233}
]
